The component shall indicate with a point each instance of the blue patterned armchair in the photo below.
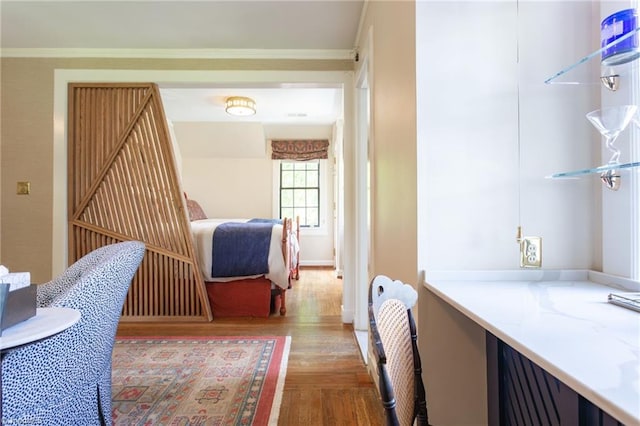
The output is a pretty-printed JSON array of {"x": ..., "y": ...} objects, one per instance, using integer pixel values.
[{"x": 66, "y": 379}]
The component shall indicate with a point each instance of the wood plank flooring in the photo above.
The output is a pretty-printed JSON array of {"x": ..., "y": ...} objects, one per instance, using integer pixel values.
[{"x": 327, "y": 382}]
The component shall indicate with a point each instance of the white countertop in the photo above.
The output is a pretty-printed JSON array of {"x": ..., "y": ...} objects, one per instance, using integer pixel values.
[{"x": 560, "y": 320}]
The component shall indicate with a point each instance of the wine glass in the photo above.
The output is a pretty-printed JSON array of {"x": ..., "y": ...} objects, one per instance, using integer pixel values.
[{"x": 610, "y": 122}]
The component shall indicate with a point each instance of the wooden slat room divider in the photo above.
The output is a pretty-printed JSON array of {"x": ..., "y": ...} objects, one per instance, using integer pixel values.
[{"x": 123, "y": 185}]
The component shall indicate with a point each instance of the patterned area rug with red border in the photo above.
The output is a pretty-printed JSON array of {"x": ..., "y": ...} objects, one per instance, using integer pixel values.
[{"x": 198, "y": 380}]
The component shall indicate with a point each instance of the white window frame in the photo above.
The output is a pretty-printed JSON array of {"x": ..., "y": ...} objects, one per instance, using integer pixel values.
[
  {"x": 324, "y": 197},
  {"x": 634, "y": 143}
]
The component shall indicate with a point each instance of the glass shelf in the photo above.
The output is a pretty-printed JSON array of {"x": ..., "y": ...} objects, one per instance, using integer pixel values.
[
  {"x": 598, "y": 170},
  {"x": 576, "y": 74},
  {"x": 572, "y": 77}
]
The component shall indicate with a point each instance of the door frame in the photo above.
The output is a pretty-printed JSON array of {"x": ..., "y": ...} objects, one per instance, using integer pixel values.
[{"x": 62, "y": 77}]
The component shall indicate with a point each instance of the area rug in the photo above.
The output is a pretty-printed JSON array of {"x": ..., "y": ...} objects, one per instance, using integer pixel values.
[{"x": 198, "y": 381}]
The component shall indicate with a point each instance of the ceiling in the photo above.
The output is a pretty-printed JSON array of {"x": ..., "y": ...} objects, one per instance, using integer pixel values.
[
  {"x": 180, "y": 24},
  {"x": 205, "y": 28},
  {"x": 301, "y": 105}
]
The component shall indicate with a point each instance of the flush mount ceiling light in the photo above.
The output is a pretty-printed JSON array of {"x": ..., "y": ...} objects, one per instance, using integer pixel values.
[{"x": 240, "y": 106}]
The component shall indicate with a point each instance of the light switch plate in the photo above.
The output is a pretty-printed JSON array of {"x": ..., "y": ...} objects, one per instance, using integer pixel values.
[{"x": 23, "y": 188}]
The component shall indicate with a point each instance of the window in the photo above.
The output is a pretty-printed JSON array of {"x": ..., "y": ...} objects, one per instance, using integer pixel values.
[{"x": 300, "y": 191}]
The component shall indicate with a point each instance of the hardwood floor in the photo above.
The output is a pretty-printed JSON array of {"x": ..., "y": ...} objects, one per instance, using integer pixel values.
[{"x": 327, "y": 381}]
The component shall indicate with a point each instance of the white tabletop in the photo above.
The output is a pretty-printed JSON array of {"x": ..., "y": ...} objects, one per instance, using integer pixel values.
[
  {"x": 563, "y": 323},
  {"x": 46, "y": 322}
]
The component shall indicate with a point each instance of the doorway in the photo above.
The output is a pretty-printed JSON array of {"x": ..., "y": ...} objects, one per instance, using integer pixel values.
[{"x": 63, "y": 77}]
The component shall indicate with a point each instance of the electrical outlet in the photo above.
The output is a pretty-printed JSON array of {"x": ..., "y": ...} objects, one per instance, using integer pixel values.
[{"x": 531, "y": 252}]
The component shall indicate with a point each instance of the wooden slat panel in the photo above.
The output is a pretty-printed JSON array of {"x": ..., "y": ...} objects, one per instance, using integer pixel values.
[{"x": 123, "y": 185}]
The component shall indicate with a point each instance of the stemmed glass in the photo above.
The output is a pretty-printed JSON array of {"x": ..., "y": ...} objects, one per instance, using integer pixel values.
[{"x": 610, "y": 122}]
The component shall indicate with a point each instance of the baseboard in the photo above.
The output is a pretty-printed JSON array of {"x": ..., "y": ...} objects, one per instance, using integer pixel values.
[
  {"x": 362, "y": 337},
  {"x": 347, "y": 316},
  {"x": 317, "y": 263}
]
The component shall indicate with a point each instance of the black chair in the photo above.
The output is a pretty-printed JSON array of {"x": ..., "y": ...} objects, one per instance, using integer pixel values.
[{"x": 393, "y": 332}]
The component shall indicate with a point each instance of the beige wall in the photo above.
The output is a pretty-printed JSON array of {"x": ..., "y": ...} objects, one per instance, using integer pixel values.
[
  {"x": 387, "y": 40},
  {"x": 26, "y": 143},
  {"x": 393, "y": 166},
  {"x": 230, "y": 187}
]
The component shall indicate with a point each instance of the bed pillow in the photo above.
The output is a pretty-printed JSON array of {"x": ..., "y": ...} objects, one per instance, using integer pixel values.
[{"x": 195, "y": 210}]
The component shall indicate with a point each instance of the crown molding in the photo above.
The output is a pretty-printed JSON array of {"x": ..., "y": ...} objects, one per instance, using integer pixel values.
[{"x": 318, "y": 54}]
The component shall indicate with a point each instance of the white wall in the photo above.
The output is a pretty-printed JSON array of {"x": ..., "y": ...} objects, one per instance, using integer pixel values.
[
  {"x": 478, "y": 182},
  {"x": 489, "y": 131}
]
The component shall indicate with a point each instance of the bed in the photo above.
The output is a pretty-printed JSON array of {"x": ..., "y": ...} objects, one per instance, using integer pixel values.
[{"x": 247, "y": 264}]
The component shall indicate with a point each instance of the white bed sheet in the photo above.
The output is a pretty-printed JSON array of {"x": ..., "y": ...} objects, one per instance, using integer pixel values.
[{"x": 202, "y": 233}]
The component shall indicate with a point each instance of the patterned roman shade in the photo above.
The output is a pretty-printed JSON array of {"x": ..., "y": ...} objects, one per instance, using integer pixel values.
[{"x": 300, "y": 150}]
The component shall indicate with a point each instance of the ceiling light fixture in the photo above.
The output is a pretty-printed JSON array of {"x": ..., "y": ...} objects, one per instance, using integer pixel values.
[{"x": 240, "y": 106}]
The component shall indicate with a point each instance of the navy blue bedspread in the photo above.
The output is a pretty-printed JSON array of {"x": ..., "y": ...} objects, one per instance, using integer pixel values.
[{"x": 241, "y": 249}]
